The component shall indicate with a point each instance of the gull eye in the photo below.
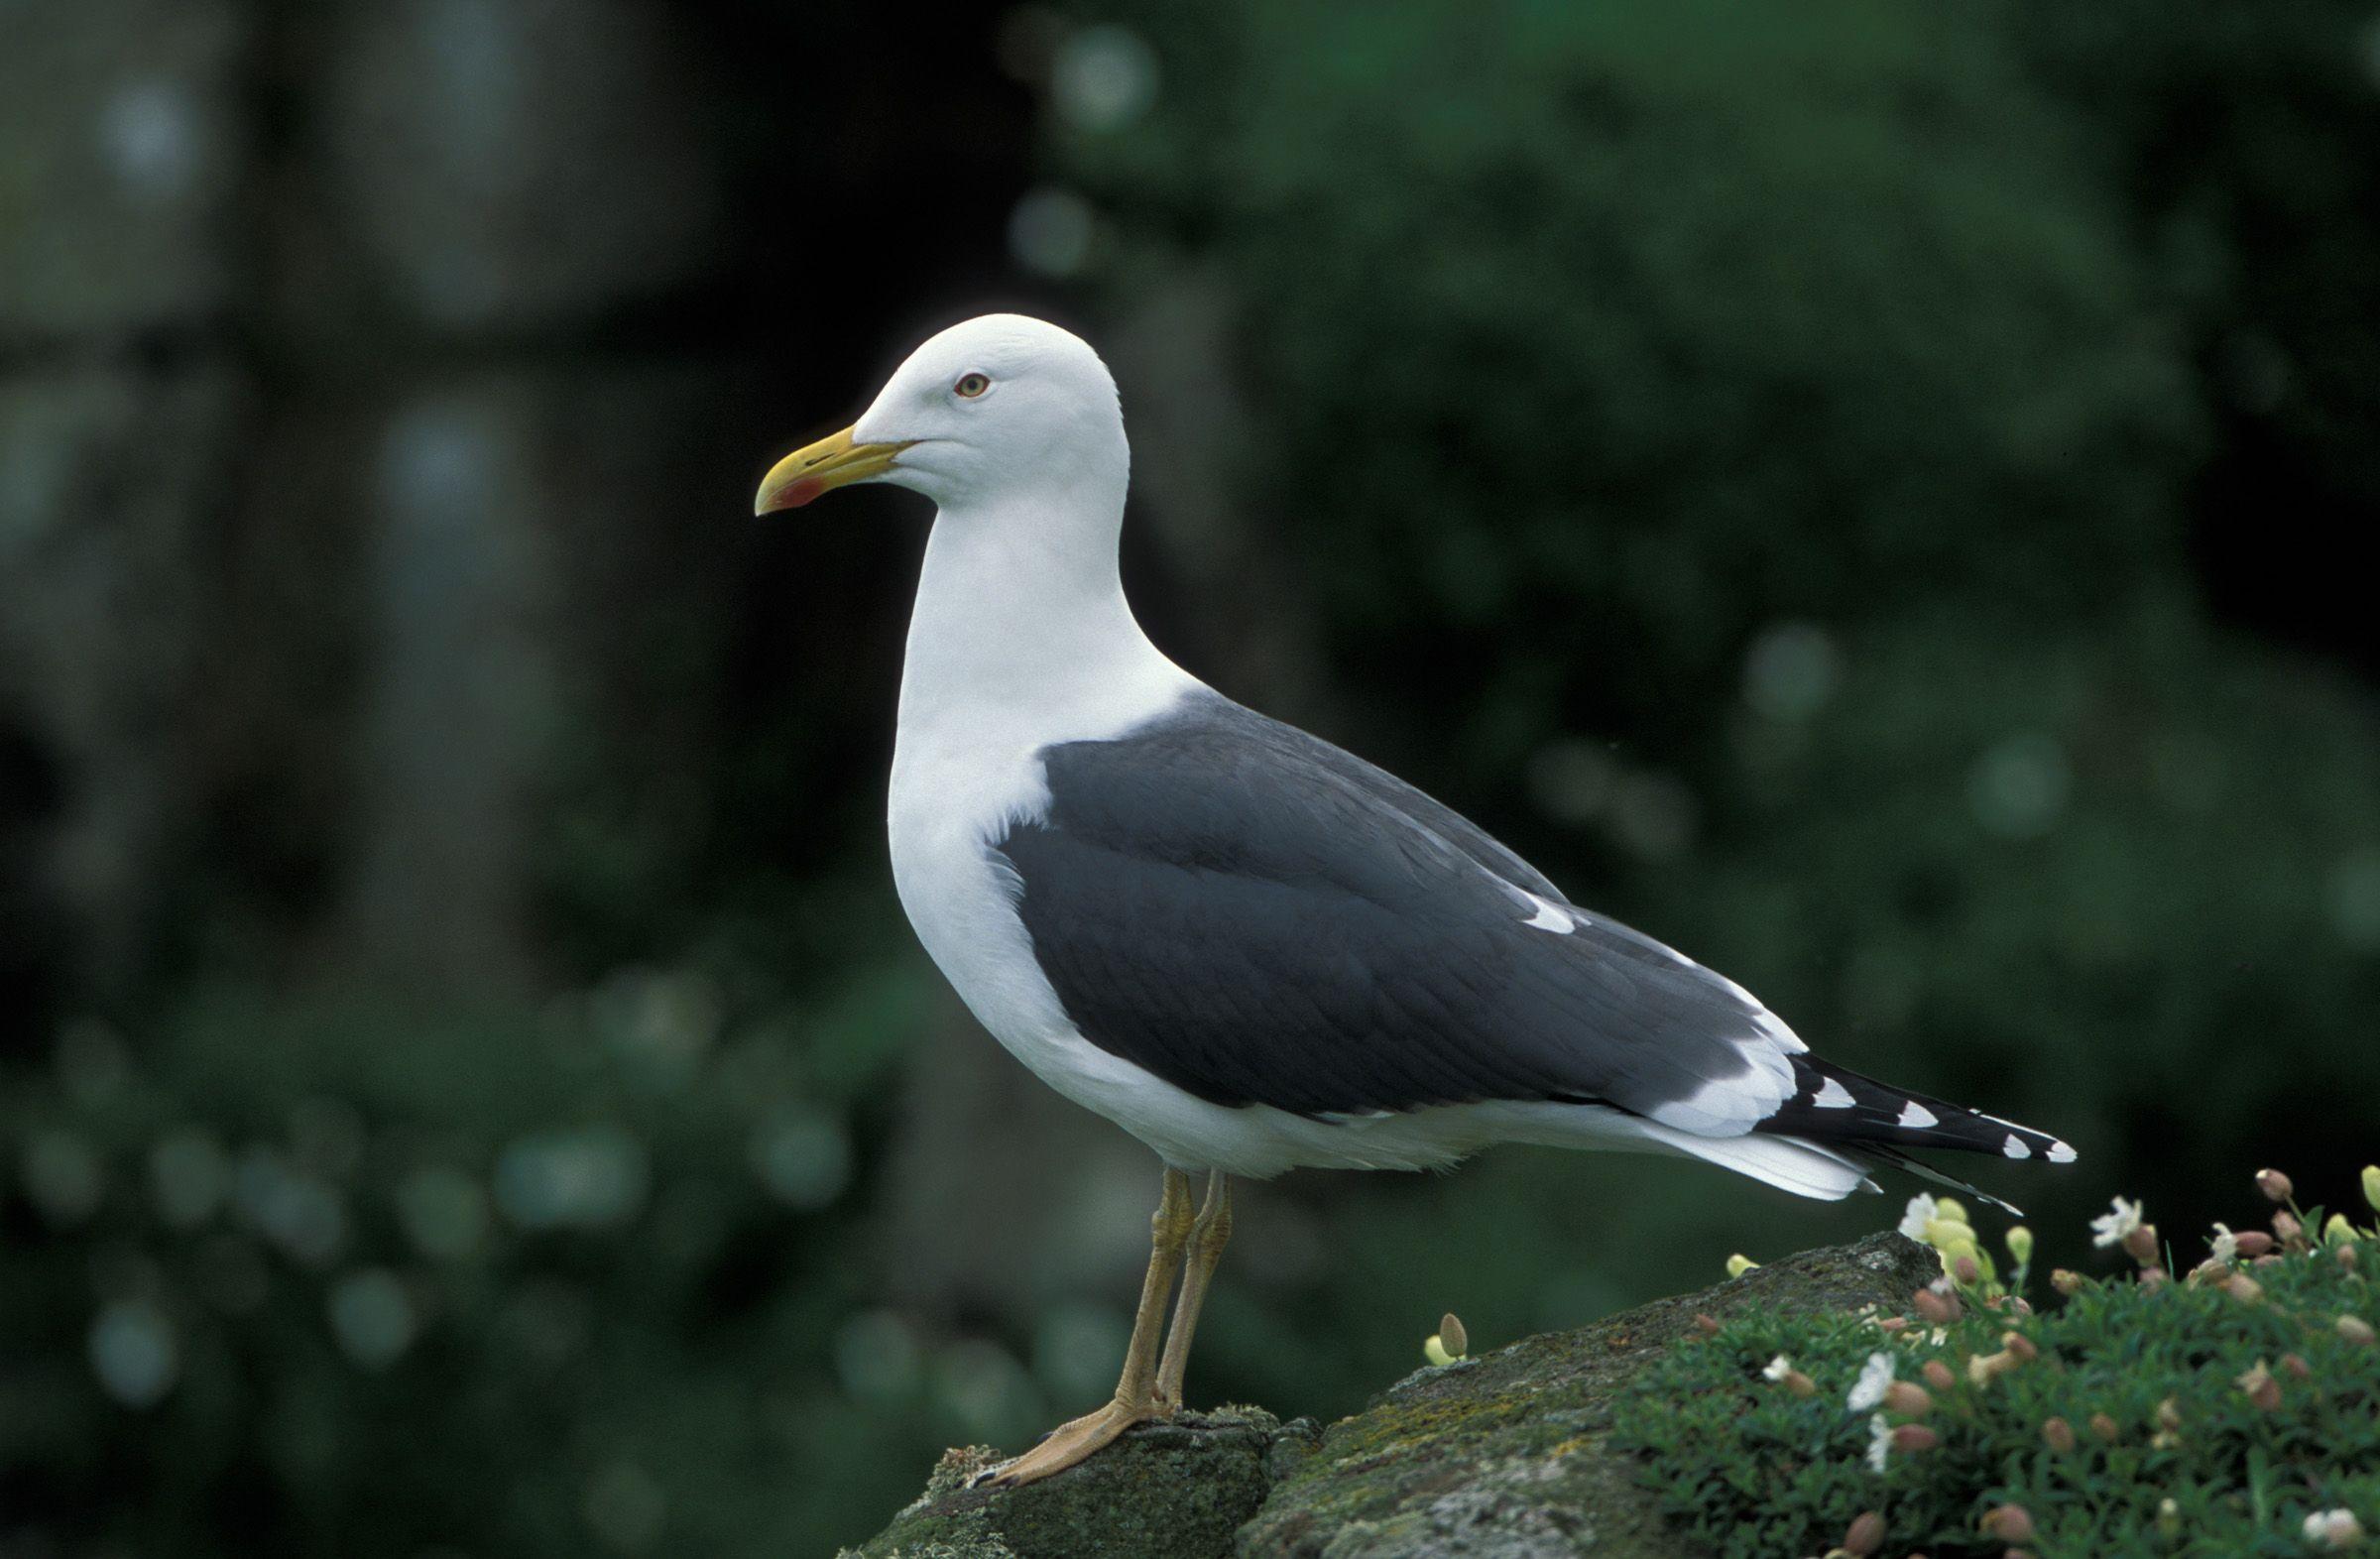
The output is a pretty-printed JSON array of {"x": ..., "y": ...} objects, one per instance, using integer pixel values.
[{"x": 971, "y": 385}]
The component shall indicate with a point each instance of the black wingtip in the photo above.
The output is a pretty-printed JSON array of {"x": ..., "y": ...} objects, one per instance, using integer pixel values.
[{"x": 1893, "y": 1157}]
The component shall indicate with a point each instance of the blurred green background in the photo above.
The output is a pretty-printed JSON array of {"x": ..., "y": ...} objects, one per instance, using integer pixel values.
[{"x": 1876, "y": 497}]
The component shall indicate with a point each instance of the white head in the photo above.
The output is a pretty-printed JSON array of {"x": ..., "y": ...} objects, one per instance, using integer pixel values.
[{"x": 995, "y": 408}]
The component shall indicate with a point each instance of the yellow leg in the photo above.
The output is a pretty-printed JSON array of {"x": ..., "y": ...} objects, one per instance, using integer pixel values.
[
  {"x": 1208, "y": 1236},
  {"x": 1136, "y": 1398}
]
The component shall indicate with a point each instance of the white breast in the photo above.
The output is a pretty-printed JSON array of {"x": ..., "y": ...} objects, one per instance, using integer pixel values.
[{"x": 992, "y": 677}]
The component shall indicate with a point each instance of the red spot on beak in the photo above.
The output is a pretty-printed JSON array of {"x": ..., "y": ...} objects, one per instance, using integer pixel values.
[{"x": 800, "y": 493}]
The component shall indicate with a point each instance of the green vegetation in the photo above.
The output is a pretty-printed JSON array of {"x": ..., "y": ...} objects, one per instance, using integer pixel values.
[
  {"x": 2233, "y": 1412},
  {"x": 325, "y": 1281}
]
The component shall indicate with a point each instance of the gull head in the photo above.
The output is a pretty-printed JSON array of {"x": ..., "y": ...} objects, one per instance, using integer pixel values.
[{"x": 994, "y": 407}]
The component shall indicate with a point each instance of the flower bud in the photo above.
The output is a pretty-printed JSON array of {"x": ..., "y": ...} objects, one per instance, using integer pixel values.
[
  {"x": 2295, "y": 1367},
  {"x": 1938, "y": 1375},
  {"x": 1934, "y": 1307},
  {"x": 2274, "y": 1185},
  {"x": 2058, "y": 1434},
  {"x": 2106, "y": 1428},
  {"x": 1706, "y": 1324},
  {"x": 1738, "y": 1266},
  {"x": 2141, "y": 1244},
  {"x": 1865, "y": 1537},
  {"x": 1908, "y": 1399},
  {"x": 2010, "y": 1524},
  {"x": 2246, "y": 1290},
  {"x": 2252, "y": 1243},
  {"x": 2152, "y": 1278},
  {"x": 2355, "y": 1330},
  {"x": 1909, "y": 1439},
  {"x": 2261, "y": 1389},
  {"x": 1450, "y": 1333},
  {"x": 2348, "y": 1257},
  {"x": 1983, "y": 1368},
  {"x": 2020, "y": 1344},
  {"x": 2371, "y": 1186},
  {"x": 1944, "y": 1232},
  {"x": 1434, "y": 1349},
  {"x": 2286, "y": 1227},
  {"x": 2337, "y": 1230},
  {"x": 2333, "y": 1529},
  {"x": 2067, "y": 1281},
  {"x": 2168, "y": 1415},
  {"x": 1893, "y": 1323},
  {"x": 2168, "y": 1518},
  {"x": 1798, "y": 1384},
  {"x": 2020, "y": 1244}
]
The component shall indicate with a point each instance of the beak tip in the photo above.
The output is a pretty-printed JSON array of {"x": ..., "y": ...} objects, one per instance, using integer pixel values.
[{"x": 775, "y": 500}]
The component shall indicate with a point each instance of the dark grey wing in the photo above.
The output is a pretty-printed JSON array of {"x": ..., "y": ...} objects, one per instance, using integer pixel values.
[{"x": 1258, "y": 917}]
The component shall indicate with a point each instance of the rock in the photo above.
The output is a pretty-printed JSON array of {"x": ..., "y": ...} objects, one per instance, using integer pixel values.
[
  {"x": 1175, "y": 1491},
  {"x": 1501, "y": 1457}
]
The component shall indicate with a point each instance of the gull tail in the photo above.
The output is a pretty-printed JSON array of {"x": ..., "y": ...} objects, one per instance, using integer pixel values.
[{"x": 1877, "y": 1121}]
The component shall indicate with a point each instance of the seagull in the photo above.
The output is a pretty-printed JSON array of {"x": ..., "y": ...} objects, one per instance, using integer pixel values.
[{"x": 1251, "y": 949}]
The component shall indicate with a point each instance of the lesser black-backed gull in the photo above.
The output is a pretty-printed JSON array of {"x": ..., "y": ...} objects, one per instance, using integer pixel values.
[{"x": 1247, "y": 947}]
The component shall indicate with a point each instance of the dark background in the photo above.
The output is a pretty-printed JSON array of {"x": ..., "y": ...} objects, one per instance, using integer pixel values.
[{"x": 1878, "y": 498}]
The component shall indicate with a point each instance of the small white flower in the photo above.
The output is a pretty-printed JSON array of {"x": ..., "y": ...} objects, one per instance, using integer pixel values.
[
  {"x": 1879, "y": 1442},
  {"x": 2334, "y": 1528},
  {"x": 2109, "y": 1228},
  {"x": 1778, "y": 1368},
  {"x": 1874, "y": 1377},
  {"x": 2225, "y": 1244},
  {"x": 1922, "y": 1210}
]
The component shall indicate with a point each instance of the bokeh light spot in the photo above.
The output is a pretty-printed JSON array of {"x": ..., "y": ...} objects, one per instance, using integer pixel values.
[
  {"x": 2019, "y": 789},
  {"x": 135, "y": 1353},
  {"x": 1104, "y": 77},
  {"x": 373, "y": 1317},
  {"x": 1791, "y": 672}
]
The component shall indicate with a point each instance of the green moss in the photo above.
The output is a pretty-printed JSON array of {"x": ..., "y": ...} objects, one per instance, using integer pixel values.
[
  {"x": 1507, "y": 1454},
  {"x": 1743, "y": 1464},
  {"x": 1176, "y": 1491}
]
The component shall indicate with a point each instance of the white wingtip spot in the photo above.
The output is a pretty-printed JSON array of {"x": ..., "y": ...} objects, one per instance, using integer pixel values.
[
  {"x": 2015, "y": 1147},
  {"x": 1550, "y": 916},
  {"x": 2060, "y": 1154},
  {"x": 1917, "y": 1117},
  {"x": 1834, "y": 1097}
]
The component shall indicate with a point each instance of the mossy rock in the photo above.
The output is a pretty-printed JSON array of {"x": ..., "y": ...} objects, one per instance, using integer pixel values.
[
  {"x": 1170, "y": 1491},
  {"x": 1502, "y": 1457}
]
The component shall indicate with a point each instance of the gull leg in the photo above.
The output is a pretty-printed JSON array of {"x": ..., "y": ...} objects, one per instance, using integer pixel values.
[
  {"x": 1135, "y": 1398},
  {"x": 1208, "y": 1236}
]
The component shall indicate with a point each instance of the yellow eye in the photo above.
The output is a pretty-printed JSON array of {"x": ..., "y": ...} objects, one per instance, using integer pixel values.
[{"x": 971, "y": 386}]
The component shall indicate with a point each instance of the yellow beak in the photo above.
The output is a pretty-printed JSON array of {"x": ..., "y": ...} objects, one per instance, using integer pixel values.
[{"x": 830, "y": 462}]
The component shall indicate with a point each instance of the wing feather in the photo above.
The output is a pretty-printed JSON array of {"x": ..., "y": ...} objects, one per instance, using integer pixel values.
[{"x": 1257, "y": 916}]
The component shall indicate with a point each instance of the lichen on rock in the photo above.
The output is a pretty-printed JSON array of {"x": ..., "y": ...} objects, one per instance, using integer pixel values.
[{"x": 1499, "y": 1457}]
